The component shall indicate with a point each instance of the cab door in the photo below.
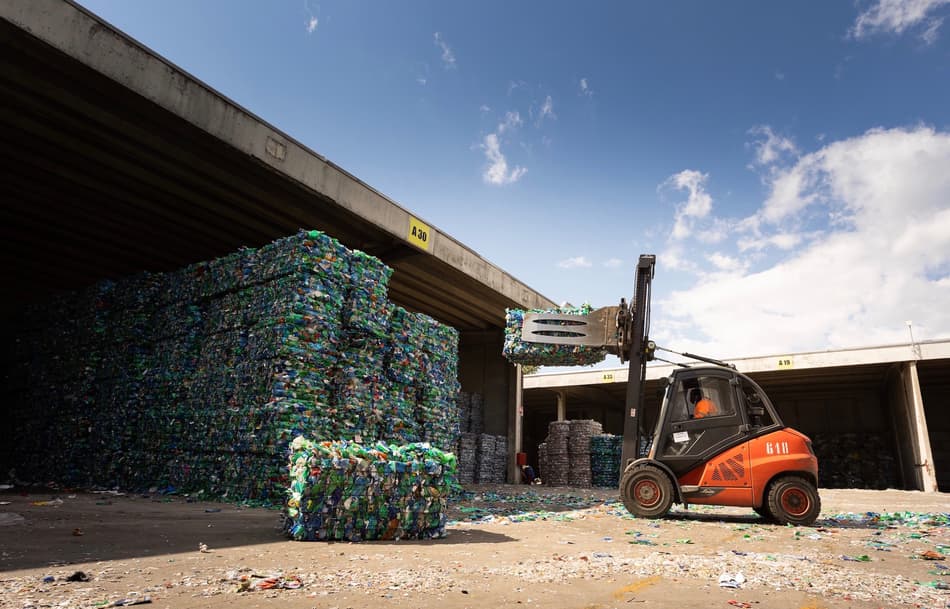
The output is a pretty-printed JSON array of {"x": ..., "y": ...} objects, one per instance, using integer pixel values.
[{"x": 687, "y": 441}]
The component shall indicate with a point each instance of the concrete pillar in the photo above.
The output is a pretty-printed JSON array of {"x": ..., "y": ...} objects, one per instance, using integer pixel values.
[
  {"x": 923, "y": 454},
  {"x": 515, "y": 426},
  {"x": 561, "y": 406}
]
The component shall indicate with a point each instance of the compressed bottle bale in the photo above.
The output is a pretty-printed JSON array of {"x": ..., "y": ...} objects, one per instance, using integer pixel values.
[
  {"x": 605, "y": 451},
  {"x": 543, "y": 354},
  {"x": 476, "y": 423},
  {"x": 485, "y": 459},
  {"x": 404, "y": 358},
  {"x": 581, "y": 431},
  {"x": 467, "y": 457},
  {"x": 543, "y": 461},
  {"x": 850, "y": 460},
  {"x": 305, "y": 253},
  {"x": 345, "y": 491},
  {"x": 367, "y": 310},
  {"x": 464, "y": 405},
  {"x": 558, "y": 457},
  {"x": 500, "y": 460}
]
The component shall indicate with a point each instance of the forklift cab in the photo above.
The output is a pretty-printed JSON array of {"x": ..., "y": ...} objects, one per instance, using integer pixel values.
[{"x": 706, "y": 410}]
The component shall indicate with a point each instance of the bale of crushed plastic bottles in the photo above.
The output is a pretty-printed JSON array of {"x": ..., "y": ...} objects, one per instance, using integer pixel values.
[
  {"x": 347, "y": 491},
  {"x": 605, "y": 452},
  {"x": 519, "y": 351}
]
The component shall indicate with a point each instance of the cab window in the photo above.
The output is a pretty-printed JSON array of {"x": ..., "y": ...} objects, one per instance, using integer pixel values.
[
  {"x": 703, "y": 397},
  {"x": 758, "y": 414}
]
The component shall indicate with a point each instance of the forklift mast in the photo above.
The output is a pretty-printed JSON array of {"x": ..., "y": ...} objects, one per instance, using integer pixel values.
[{"x": 637, "y": 347}]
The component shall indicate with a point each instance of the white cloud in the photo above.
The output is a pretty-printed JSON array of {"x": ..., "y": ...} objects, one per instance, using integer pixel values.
[
  {"x": 723, "y": 262},
  {"x": 578, "y": 262},
  {"x": 547, "y": 110},
  {"x": 484, "y": 108},
  {"x": 421, "y": 80},
  {"x": 514, "y": 85},
  {"x": 898, "y": 16},
  {"x": 497, "y": 172},
  {"x": 770, "y": 147},
  {"x": 448, "y": 57},
  {"x": 613, "y": 263},
  {"x": 312, "y": 25},
  {"x": 512, "y": 120},
  {"x": 586, "y": 91},
  {"x": 698, "y": 203},
  {"x": 876, "y": 253},
  {"x": 782, "y": 241}
]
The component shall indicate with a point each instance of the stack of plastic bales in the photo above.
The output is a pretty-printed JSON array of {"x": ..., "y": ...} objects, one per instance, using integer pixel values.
[
  {"x": 467, "y": 457},
  {"x": 578, "y": 445},
  {"x": 198, "y": 380},
  {"x": 558, "y": 458},
  {"x": 605, "y": 453},
  {"x": 499, "y": 461},
  {"x": 345, "y": 491},
  {"x": 485, "y": 459},
  {"x": 541, "y": 354},
  {"x": 464, "y": 404},
  {"x": 469, "y": 420},
  {"x": 476, "y": 420},
  {"x": 850, "y": 460},
  {"x": 437, "y": 396},
  {"x": 543, "y": 461}
]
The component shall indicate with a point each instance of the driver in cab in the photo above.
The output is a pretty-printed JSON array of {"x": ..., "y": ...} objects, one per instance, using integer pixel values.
[{"x": 702, "y": 406}]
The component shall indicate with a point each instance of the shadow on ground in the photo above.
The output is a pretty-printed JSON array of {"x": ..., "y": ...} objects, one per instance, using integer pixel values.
[{"x": 44, "y": 529}]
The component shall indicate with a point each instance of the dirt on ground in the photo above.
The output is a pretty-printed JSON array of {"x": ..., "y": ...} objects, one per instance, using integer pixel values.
[{"x": 506, "y": 546}]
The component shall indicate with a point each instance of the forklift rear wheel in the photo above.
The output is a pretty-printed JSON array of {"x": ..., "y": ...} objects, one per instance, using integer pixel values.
[
  {"x": 646, "y": 492},
  {"x": 793, "y": 500}
]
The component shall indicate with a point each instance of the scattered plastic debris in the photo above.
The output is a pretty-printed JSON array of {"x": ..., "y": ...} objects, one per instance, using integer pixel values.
[
  {"x": 729, "y": 580},
  {"x": 931, "y": 555},
  {"x": 47, "y": 503},
  {"x": 262, "y": 582},
  {"x": 125, "y": 602}
]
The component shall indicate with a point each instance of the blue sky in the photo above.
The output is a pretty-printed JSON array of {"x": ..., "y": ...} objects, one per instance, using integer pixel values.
[{"x": 789, "y": 163}]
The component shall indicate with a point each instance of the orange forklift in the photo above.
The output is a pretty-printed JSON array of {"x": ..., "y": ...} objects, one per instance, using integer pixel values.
[{"x": 717, "y": 440}]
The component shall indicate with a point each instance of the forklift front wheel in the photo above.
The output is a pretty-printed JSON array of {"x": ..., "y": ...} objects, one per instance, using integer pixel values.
[
  {"x": 793, "y": 500},
  {"x": 764, "y": 512},
  {"x": 646, "y": 492}
]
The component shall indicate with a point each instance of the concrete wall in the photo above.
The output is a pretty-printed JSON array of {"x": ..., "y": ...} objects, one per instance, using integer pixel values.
[
  {"x": 482, "y": 369},
  {"x": 936, "y": 397}
]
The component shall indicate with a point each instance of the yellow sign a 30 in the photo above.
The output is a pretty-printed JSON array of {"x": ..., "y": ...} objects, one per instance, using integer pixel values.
[{"x": 419, "y": 234}]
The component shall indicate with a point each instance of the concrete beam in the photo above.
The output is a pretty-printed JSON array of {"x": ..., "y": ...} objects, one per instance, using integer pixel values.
[{"x": 793, "y": 361}]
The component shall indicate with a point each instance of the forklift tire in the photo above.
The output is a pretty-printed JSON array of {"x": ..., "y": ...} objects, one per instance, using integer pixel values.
[
  {"x": 763, "y": 511},
  {"x": 646, "y": 492},
  {"x": 793, "y": 500}
]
